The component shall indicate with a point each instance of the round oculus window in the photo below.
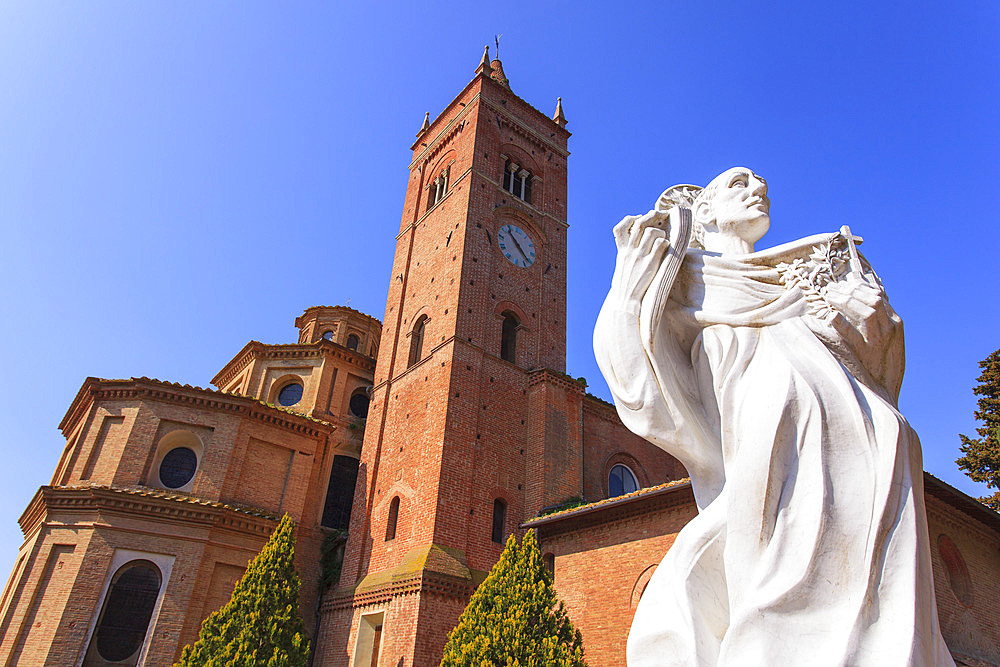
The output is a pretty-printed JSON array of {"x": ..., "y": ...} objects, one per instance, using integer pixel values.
[
  {"x": 178, "y": 467},
  {"x": 290, "y": 394}
]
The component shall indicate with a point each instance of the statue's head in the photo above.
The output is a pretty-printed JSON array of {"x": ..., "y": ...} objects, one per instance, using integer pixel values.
[{"x": 731, "y": 212}]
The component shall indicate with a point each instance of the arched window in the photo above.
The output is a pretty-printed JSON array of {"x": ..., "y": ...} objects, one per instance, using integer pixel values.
[
  {"x": 327, "y": 335},
  {"x": 958, "y": 571},
  {"x": 360, "y": 402},
  {"x": 340, "y": 492},
  {"x": 508, "y": 337},
  {"x": 417, "y": 340},
  {"x": 517, "y": 181},
  {"x": 352, "y": 342},
  {"x": 438, "y": 189},
  {"x": 390, "y": 526},
  {"x": 621, "y": 480},
  {"x": 499, "y": 520},
  {"x": 128, "y": 608}
]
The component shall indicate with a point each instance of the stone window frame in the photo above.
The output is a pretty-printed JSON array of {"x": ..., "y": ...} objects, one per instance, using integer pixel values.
[
  {"x": 172, "y": 439},
  {"x": 119, "y": 559},
  {"x": 520, "y": 175},
  {"x": 370, "y": 624},
  {"x": 438, "y": 187},
  {"x": 283, "y": 381}
]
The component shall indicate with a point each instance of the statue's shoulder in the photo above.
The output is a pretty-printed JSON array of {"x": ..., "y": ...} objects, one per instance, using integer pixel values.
[{"x": 799, "y": 249}]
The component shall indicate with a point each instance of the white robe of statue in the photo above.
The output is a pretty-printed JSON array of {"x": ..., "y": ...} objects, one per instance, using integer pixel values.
[{"x": 773, "y": 376}]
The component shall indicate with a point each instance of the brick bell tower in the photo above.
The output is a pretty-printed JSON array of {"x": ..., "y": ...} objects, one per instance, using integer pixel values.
[{"x": 458, "y": 444}]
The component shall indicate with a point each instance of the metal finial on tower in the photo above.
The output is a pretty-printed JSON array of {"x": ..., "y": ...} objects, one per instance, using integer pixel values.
[
  {"x": 427, "y": 123},
  {"x": 497, "y": 67}
]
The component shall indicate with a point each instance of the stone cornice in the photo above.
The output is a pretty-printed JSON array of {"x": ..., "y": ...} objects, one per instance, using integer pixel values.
[
  {"x": 153, "y": 504},
  {"x": 525, "y": 130},
  {"x": 644, "y": 501},
  {"x": 426, "y": 582},
  {"x": 443, "y": 139},
  {"x": 549, "y": 376},
  {"x": 968, "y": 505},
  {"x": 513, "y": 122},
  {"x": 421, "y": 156},
  {"x": 339, "y": 309},
  {"x": 557, "y": 128},
  {"x": 522, "y": 207},
  {"x": 204, "y": 399},
  {"x": 601, "y": 408},
  {"x": 451, "y": 340},
  {"x": 236, "y": 364},
  {"x": 319, "y": 349}
]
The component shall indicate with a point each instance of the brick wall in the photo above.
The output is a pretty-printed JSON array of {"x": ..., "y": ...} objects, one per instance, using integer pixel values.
[
  {"x": 636, "y": 533},
  {"x": 607, "y": 442},
  {"x": 968, "y": 593},
  {"x": 600, "y": 599}
]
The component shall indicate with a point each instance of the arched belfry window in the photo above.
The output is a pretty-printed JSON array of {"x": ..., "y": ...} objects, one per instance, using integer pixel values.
[
  {"x": 499, "y": 520},
  {"x": 124, "y": 619},
  {"x": 621, "y": 480},
  {"x": 508, "y": 337},
  {"x": 438, "y": 189},
  {"x": 390, "y": 526},
  {"x": 516, "y": 180},
  {"x": 352, "y": 342},
  {"x": 417, "y": 340}
]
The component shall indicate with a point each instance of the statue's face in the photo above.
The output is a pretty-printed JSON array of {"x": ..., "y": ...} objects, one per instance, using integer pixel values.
[{"x": 739, "y": 204}]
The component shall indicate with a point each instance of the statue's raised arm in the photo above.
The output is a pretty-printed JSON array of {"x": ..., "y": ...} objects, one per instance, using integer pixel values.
[{"x": 773, "y": 377}]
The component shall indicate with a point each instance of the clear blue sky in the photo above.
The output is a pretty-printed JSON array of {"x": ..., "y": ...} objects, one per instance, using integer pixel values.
[{"x": 178, "y": 178}]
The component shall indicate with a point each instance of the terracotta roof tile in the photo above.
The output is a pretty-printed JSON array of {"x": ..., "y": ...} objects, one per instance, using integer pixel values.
[{"x": 611, "y": 501}]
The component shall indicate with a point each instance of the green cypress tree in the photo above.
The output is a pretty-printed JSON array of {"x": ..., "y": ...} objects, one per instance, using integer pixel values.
[
  {"x": 514, "y": 617},
  {"x": 260, "y": 625},
  {"x": 981, "y": 460}
]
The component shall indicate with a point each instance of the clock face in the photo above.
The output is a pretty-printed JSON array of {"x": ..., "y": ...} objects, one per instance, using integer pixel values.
[{"x": 516, "y": 245}]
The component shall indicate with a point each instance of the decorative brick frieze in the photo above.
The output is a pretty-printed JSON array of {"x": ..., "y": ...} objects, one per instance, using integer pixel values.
[{"x": 148, "y": 502}]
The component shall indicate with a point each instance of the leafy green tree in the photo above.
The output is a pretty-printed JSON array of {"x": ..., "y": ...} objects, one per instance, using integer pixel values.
[
  {"x": 514, "y": 617},
  {"x": 981, "y": 460},
  {"x": 260, "y": 625}
]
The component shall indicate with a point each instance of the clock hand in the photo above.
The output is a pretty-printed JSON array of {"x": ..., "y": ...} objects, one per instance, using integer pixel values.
[{"x": 524, "y": 255}]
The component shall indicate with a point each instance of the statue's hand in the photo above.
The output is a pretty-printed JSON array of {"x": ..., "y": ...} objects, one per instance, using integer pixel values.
[
  {"x": 863, "y": 305},
  {"x": 642, "y": 244}
]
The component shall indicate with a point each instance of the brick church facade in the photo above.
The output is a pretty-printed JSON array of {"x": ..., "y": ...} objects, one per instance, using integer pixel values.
[{"x": 406, "y": 450}]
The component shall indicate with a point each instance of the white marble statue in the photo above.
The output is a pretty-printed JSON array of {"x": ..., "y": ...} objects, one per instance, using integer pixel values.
[{"x": 773, "y": 376}]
